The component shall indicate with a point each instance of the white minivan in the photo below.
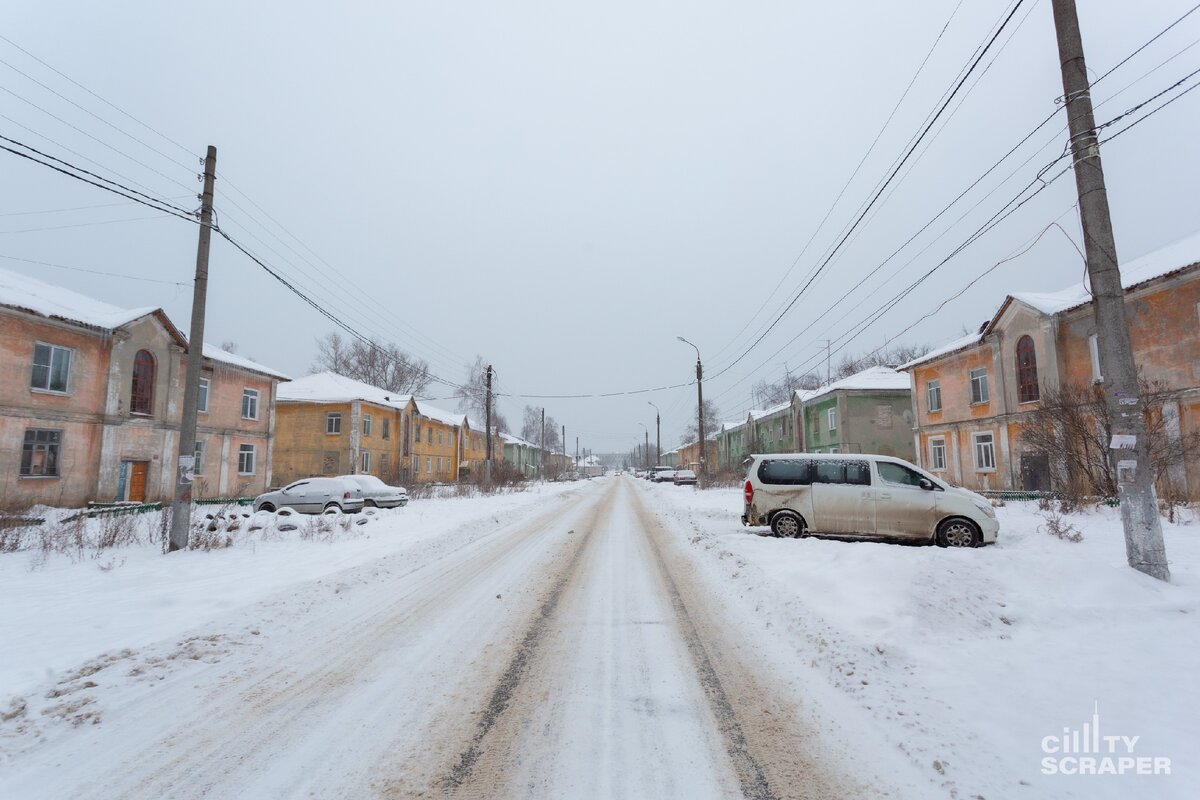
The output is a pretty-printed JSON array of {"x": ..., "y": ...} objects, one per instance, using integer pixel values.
[{"x": 863, "y": 497}]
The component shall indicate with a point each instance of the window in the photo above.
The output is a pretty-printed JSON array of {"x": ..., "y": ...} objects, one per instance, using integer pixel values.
[
  {"x": 985, "y": 451},
  {"x": 333, "y": 423},
  {"x": 898, "y": 473},
  {"x": 202, "y": 397},
  {"x": 428, "y": 464},
  {"x": 141, "y": 396},
  {"x": 1094, "y": 349},
  {"x": 387, "y": 428},
  {"x": 429, "y": 434},
  {"x": 1027, "y": 377},
  {"x": 417, "y": 429},
  {"x": 837, "y": 471},
  {"x": 366, "y": 461},
  {"x": 366, "y": 426},
  {"x": 39, "y": 455},
  {"x": 937, "y": 454},
  {"x": 440, "y": 439},
  {"x": 246, "y": 453},
  {"x": 198, "y": 465},
  {"x": 51, "y": 368},
  {"x": 785, "y": 472},
  {"x": 933, "y": 395},
  {"x": 831, "y": 418},
  {"x": 249, "y": 403},
  {"x": 979, "y": 386}
]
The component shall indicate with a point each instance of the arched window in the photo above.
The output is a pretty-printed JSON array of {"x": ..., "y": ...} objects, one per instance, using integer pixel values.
[
  {"x": 141, "y": 398},
  {"x": 1027, "y": 377}
]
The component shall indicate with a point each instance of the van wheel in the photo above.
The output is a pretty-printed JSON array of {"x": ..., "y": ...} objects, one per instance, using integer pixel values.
[
  {"x": 958, "y": 532},
  {"x": 788, "y": 525}
]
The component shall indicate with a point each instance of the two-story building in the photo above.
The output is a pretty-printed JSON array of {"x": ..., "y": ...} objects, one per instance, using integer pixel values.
[
  {"x": 868, "y": 412},
  {"x": 91, "y": 400},
  {"x": 974, "y": 395},
  {"x": 436, "y": 454}
]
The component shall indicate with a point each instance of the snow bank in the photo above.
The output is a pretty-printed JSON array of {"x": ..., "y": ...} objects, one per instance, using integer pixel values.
[{"x": 969, "y": 659}]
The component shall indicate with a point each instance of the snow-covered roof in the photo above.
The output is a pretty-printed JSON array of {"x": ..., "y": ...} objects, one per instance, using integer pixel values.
[
  {"x": 588, "y": 461},
  {"x": 732, "y": 426},
  {"x": 30, "y": 294},
  {"x": 949, "y": 347},
  {"x": 454, "y": 418},
  {"x": 508, "y": 438},
  {"x": 759, "y": 413},
  {"x": 211, "y": 351},
  {"x": 1172, "y": 258},
  {"x": 805, "y": 394},
  {"x": 870, "y": 379},
  {"x": 330, "y": 387}
]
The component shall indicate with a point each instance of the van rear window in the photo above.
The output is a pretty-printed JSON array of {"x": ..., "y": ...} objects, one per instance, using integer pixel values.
[{"x": 785, "y": 472}]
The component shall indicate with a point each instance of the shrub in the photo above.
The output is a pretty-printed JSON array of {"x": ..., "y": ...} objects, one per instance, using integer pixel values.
[{"x": 1055, "y": 525}]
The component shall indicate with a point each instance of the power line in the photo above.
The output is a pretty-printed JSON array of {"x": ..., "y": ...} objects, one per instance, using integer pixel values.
[
  {"x": 84, "y": 224},
  {"x": 93, "y": 271}
]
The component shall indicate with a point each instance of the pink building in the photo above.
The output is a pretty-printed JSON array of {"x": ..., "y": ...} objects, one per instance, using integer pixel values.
[{"x": 91, "y": 400}]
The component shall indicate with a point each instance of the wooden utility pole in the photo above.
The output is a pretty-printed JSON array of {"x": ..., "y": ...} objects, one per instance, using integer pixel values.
[
  {"x": 181, "y": 504},
  {"x": 1129, "y": 447},
  {"x": 564, "y": 446},
  {"x": 542, "y": 444},
  {"x": 487, "y": 413}
]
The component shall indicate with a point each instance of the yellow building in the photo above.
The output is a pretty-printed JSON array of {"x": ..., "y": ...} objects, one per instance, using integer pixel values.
[{"x": 435, "y": 446}]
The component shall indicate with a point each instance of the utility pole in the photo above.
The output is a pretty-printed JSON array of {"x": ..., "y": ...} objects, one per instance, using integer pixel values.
[
  {"x": 657, "y": 434},
  {"x": 564, "y": 446},
  {"x": 702, "y": 476},
  {"x": 181, "y": 504},
  {"x": 542, "y": 444},
  {"x": 827, "y": 372},
  {"x": 487, "y": 413},
  {"x": 1129, "y": 448}
]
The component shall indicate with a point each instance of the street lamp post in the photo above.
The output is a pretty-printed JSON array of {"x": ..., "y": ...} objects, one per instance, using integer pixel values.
[
  {"x": 657, "y": 434},
  {"x": 646, "y": 450},
  {"x": 703, "y": 476}
]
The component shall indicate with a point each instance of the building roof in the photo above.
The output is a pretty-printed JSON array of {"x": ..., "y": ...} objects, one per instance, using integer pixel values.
[
  {"x": 24, "y": 293},
  {"x": 870, "y": 379},
  {"x": 330, "y": 387},
  {"x": 452, "y": 418},
  {"x": 508, "y": 438},
  {"x": 759, "y": 413},
  {"x": 730, "y": 426},
  {"x": 961, "y": 343}
]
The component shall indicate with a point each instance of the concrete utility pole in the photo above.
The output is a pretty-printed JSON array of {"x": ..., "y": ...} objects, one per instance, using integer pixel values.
[
  {"x": 181, "y": 505},
  {"x": 564, "y": 446},
  {"x": 702, "y": 473},
  {"x": 657, "y": 434},
  {"x": 1129, "y": 448},
  {"x": 542, "y": 445},
  {"x": 487, "y": 413}
]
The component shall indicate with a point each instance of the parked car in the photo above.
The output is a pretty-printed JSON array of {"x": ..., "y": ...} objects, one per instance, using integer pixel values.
[
  {"x": 684, "y": 477},
  {"x": 377, "y": 494},
  {"x": 864, "y": 497},
  {"x": 313, "y": 495},
  {"x": 663, "y": 475}
]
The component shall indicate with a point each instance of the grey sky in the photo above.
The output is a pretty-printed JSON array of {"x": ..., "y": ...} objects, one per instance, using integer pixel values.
[{"x": 565, "y": 188}]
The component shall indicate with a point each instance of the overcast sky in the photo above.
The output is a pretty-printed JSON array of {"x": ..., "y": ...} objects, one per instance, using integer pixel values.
[{"x": 564, "y": 188}]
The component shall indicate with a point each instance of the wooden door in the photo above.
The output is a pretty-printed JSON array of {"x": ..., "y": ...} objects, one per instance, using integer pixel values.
[{"x": 137, "y": 481}]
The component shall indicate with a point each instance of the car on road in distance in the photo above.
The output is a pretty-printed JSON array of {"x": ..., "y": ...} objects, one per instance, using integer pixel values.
[
  {"x": 862, "y": 496},
  {"x": 377, "y": 494},
  {"x": 684, "y": 477},
  {"x": 313, "y": 496}
]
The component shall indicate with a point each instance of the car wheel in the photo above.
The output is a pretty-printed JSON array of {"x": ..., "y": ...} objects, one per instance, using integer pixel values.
[
  {"x": 333, "y": 507},
  {"x": 788, "y": 525},
  {"x": 266, "y": 507},
  {"x": 958, "y": 532},
  {"x": 370, "y": 504}
]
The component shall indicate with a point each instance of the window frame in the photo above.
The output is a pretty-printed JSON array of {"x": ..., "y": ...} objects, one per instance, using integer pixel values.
[
  {"x": 386, "y": 433},
  {"x": 981, "y": 380},
  {"x": 136, "y": 397},
  {"x": 202, "y": 390},
  {"x": 1025, "y": 358},
  {"x": 933, "y": 387},
  {"x": 364, "y": 461},
  {"x": 49, "y": 367},
  {"x": 242, "y": 453},
  {"x": 831, "y": 418},
  {"x": 937, "y": 447},
  {"x": 976, "y": 446},
  {"x": 198, "y": 457},
  {"x": 333, "y": 423},
  {"x": 25, "y": 466},
  {"x": 254, "y": 396},
  {"x": 367, "y": 424},
  {"x": 1094, "y": 353}
]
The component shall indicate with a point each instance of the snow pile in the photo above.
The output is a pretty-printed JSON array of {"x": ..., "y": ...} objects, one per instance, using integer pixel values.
[{"x": 968, "y": 659}]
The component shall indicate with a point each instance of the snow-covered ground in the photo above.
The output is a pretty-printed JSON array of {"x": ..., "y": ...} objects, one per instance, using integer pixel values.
[
  {"x": 967, "y": 660},
  {"x": 60, "y": 610}
]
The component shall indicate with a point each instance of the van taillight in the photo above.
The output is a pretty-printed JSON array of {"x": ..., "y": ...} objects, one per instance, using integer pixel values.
[{"x": 749, "y": 492}]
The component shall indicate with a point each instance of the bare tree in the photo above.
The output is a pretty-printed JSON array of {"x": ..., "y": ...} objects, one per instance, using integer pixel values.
[
  {"x": 553, "y": 439},
  {"x": 531, "y": 424},
  {"x": 472, "y": 395},
  {"x": 767, "y": 393},
  {"x": 385, "y": 366},
  {"x": 884, "y": 357},
  {"x": 712, "y": 423}
]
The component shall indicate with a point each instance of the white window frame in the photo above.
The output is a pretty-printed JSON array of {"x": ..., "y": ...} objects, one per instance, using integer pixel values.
[
  {"x": 831, "y": 418},
  {"x": 365, "y": 461},
  {"x": 253, "y": 396},
  {"x": 247, "y": 450},
  {"x": 45, "y": 448},
  {"x": 933, "y": 387},
  {"x": 978, "y": 447},
  {"x": 366, "y": 424},
  {"x": 202, "y": 396},
  {"x": 1094, "y": 352},
  {"x": 979, "y": 376},
  {"x": 386, "y": 433},
  {"x": 198, "y": 464},
  {"x": 441, "y": 441},
  {"x": 428, "y": 465},
  {"x": 333, "y": 423},
  {"x": 937, "y": 447},
  {"x": 70, "y": 355}
]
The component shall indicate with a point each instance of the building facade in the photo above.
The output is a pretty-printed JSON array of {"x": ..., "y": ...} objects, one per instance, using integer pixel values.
[{"x": 868, "y": 412}]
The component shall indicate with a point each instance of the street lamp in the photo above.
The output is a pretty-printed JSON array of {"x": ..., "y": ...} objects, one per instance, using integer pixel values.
[
  {"x": 703, "y": 473},
  {"x": 646, "y": 451},
  {"x": 657, "y": 433}
]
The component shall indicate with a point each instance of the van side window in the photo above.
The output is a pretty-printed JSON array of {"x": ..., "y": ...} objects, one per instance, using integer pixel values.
[
  {"x": 898, "y": 473},
  {"x": 829, "y": 472},
  {"x": 785, "y": 472},
  {"x": 858, "y": 473}
]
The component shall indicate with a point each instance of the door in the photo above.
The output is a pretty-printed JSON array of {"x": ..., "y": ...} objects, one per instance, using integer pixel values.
[
  {"x": 1035, "y": 472},
  {"x": 137, "y": 481},
  {"x": 902, "y": 508},
  {"x": 843, "y": 497}
]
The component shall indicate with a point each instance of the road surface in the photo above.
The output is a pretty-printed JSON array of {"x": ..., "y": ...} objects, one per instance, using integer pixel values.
[{"x": 573, "y": 654}]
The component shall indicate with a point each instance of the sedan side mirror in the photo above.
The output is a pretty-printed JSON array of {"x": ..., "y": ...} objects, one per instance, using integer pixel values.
[{"x": 927, "y": 484}]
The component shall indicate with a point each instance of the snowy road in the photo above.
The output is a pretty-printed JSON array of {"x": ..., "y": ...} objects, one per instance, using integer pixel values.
[{"x": 571, "y": 654}]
